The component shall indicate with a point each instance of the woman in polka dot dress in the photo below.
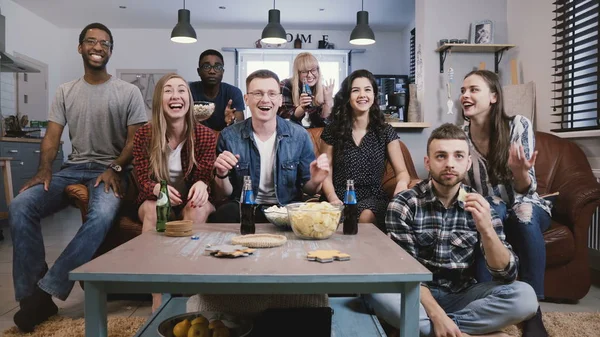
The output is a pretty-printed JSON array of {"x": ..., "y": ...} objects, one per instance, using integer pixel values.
[{"x": 358, "y": 142}]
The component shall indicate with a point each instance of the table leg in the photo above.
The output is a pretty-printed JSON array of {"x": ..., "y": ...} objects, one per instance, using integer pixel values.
[
  {"x": 409, "y": 309},
  {"x": 95, "y": 310}
]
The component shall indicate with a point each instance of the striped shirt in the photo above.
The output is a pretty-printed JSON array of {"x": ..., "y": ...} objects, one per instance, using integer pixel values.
[
  {"x": 442, "y": 239},
  {"x": 521, "y": 132}
]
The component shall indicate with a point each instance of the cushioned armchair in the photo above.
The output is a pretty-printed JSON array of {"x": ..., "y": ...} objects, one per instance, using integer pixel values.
[{"x": 562, "y": 167}]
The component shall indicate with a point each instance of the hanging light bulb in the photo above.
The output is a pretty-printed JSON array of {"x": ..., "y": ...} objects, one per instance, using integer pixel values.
[
  {"x": 183, "y": 31},
  {"x": 274, "y": 32},
  {"x": 362, "y": 34}
]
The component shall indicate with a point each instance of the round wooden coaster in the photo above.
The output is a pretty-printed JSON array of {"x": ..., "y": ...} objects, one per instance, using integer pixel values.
[
  {"x": 179, "y": 227},
  {"x": 178, "y": 233},
  {"x": 259, "y": 240}
]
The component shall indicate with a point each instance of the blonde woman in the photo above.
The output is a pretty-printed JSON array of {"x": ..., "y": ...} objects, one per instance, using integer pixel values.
[
  {"x": 173, "y": 147},
  {"x": 309, "y": 111}
]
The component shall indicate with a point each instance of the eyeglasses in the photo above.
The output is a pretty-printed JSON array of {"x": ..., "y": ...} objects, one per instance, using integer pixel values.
[
  {"x": 313, "y": 71},
  {"x": 90, "y": 42},
  {"x": 207, "y": 67},
  {"x": 259, "y": 94}
]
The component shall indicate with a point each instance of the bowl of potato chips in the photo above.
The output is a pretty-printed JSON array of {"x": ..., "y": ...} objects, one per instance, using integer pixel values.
[{"x": 314, "y": 220}]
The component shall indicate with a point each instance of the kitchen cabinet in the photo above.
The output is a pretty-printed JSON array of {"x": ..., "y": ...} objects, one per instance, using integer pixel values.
[{"x": 25, "y": 154}]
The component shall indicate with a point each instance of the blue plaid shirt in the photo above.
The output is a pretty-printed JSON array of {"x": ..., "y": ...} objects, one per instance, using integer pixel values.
[{"x": 442, "y": 239}]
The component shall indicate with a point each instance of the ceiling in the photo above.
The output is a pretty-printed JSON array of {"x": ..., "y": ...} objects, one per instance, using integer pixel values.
[{"x": 384, "y": 15}]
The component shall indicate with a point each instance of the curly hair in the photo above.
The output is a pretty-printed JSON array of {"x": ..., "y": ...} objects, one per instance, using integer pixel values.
[{"x": 343, "y": 114}]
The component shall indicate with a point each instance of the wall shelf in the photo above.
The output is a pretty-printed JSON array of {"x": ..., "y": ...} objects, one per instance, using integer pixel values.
[
  {"x": 409, "y": 125},
  {"x": 497, "y": 49}
]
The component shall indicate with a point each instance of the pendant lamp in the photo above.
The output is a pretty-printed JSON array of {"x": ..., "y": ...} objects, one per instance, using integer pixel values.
[
  {"x": 362, "y": 34},
  {"x": 183, "y": 31},
  {"x": 274, "y": 32}
]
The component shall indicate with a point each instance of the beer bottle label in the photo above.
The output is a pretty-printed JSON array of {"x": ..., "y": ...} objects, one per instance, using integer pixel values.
[
  {"x": 162, "y": 199},
  {"x": 248, "y": 197},
  {"x": 350, "y": 198}
]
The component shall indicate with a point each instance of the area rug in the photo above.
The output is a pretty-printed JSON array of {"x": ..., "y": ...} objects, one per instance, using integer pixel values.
[
  {"x": 566, "y": 324},
  {"x": 559, "y": 324},
  {"x": 63, "y": 326}
]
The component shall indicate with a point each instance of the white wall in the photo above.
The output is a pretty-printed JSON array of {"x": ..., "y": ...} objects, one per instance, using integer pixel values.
[
  {"x": 153, "y": 49},
  {"x": 530, "y": 28},
  {"x": 34, "y": 37},
  {"x": 446, "y": 19}
]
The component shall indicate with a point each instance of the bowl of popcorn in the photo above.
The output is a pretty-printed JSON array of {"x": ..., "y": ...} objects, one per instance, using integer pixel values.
[
  {"x": 203, "y": 110},
  {"x": 278, "y": 216},
  {"x": 314, "y": 220}
]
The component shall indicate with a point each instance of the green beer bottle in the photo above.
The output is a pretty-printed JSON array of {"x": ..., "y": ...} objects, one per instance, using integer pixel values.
[{"x": 163, "y": 207}]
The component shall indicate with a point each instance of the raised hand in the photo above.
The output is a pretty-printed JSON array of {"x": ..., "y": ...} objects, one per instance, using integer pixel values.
[
  {"x": 319, "y": 169},
  {"x": 480, "y": 210},
  {"x": 225, "y": 162},
  {"x": 229, "y": 113},
  {"x": 328, "y": 91},
  {"x": 517, "y": 162}
]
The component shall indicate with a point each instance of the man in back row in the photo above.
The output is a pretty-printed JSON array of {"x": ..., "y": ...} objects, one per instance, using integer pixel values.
[
  {"x": 103, "y": 114},
  {"x": 229, "y": 102},
  {"x": 439, "y": 222}
]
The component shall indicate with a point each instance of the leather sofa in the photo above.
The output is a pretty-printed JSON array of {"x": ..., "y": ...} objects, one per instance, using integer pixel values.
[{"x": 561, "y": 167}]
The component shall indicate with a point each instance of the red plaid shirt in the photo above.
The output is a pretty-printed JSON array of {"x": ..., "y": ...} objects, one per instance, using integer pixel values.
[{"x": 205, "y": 142}]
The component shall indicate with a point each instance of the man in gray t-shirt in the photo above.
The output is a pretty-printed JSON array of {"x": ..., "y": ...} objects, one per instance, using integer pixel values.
[{"x": 103, "y": 114}]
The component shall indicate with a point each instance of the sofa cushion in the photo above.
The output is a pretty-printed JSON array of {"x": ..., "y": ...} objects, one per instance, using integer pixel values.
[{"x": 560, "y": 244}]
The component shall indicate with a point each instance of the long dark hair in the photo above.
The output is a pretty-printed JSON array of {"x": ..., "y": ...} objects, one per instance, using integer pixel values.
[
  {"x": 343, "y": 116},
  {"x": 499, "y": 142}
]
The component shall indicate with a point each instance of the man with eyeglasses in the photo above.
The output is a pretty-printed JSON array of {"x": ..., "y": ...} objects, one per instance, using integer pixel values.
[
  {"x": 103, "y": 113},
  {"x": 277, "y": 154},
  {"x": 228, "y": 99}
]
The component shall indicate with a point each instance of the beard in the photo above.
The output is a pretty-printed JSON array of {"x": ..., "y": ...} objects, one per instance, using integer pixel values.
[
  {"x": 88, "y": 62},
  {"x": 455, "y": 180}
]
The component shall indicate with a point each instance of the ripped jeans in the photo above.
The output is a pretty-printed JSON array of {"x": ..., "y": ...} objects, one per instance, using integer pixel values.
[{"x": 525, "y": 234}]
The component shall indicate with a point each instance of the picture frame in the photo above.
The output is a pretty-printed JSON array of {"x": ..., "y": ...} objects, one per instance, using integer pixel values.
[{"x": 482, "y": 32}]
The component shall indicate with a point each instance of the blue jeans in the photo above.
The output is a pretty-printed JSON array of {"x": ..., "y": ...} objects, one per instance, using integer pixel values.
[
  {"x": 527, "y": 240},
  {"x": 25, "y": 214},
  {"x": 480, "y": 309}
]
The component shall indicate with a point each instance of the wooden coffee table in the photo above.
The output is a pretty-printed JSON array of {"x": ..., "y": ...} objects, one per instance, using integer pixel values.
[{"x": 154, "y": 263}]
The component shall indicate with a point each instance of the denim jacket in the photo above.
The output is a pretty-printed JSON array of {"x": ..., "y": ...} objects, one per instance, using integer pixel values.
[{"x": 294, "y": 153}]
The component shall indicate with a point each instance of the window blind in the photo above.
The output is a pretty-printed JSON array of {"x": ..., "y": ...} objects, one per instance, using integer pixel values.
[
  {"x": 575, "y": 93},
  {"x": 411, "y": 77}
]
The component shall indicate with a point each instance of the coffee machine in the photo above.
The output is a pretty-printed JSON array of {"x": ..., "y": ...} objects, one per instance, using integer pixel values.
[
  {"x": 396, "y": 105},
  {"x": 393, "y": 95}
]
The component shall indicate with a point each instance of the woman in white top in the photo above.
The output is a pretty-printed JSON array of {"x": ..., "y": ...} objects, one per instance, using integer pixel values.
[
  {"x": 503, "y": 168},
  {"x": 173, "y": 147}
]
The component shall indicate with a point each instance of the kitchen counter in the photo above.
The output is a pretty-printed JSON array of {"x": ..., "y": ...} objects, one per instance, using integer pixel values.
[{"x": 22, "y": 140}]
